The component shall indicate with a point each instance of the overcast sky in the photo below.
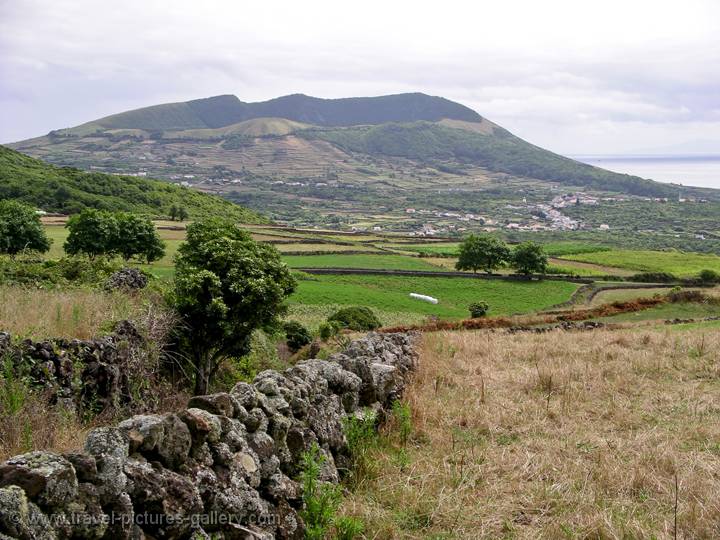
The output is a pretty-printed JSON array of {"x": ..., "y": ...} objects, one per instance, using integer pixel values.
[{"x": 573, "y": 76}]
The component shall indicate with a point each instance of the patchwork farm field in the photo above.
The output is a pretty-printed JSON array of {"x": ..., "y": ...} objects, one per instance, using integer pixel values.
[
  {"x": 370, "y": 262},
  {"x": 675, "y": 262},
  {"x": 390, "y": 294},
  {"x": 553, "y": 249}
]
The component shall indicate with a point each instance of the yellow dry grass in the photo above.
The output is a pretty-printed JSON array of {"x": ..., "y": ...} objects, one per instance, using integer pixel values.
[
  {"x": 560, "y": 435},
  {"x": 69, "y": 313}
]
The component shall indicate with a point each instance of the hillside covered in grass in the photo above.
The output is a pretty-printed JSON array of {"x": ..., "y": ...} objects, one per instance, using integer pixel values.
[
  {"x": 499, "y": 151},
  {"x": 220, "y": 111},
  {"x": 67, "y": 190}
]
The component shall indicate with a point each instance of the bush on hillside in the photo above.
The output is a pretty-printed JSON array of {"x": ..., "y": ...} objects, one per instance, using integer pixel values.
[
  {"x": 478, "y": 309},
  {"x": 709, "y": 276},
  {"x": 358, "y": 318},
  {"x": 297, "y": 335},
  {"x": 328, "y": 329}
]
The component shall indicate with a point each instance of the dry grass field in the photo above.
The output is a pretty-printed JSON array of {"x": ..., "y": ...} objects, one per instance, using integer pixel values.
[
  {"x": 71, "y": 313},
  {"x": 604, "y": 434}
]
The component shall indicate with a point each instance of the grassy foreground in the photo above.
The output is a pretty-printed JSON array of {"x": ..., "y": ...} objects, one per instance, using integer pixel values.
[{"x": 561, "y": 435}]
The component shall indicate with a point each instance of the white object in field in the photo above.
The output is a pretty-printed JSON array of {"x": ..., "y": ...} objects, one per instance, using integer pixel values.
[{"x": 424, "y": 298}]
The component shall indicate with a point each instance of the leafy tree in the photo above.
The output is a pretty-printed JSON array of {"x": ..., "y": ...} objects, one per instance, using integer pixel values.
[
  {"x": 530, "y": 258},
  {"x": 92, "y": 232},
  {"x": 482, "y": 253},
  {"x": 173, "y": 212},
  {"x": 478, "y": 309},
  {"x": 182, "y": 213},
  {"x": 137, "y": 237},
  {"x": 20, "y": 229},
  {"x": 226, "y": 286}
]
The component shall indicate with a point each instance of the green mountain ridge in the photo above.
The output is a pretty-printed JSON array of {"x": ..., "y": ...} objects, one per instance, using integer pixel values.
[
  {"x": 358, "y": 161},
  {"x": 221, "y": 111},
  {"x": 68, "y": 190}
]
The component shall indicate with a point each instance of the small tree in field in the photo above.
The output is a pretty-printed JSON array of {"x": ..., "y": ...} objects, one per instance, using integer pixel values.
[
  {"x": 182, "y": 214},
  {"x": 173, "y": 212},
  {"x": 92, "y": 232},
  {"x": 530, "y": 258},
  {"x": 226, "y": 286},
  {"x": 482, "y": 253},
  {"x": 478, "y": 309},
  {"x": 137, "y": 237},
  {"x": 20, "y": 229}
]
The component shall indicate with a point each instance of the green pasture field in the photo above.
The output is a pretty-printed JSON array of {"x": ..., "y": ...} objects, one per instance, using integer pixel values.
[
  {"x": 369, "y": 262},
  {"x": 390, "y": 294},
  {"x": 449, "y": 248},
  {"x": 667, "y": 311},
  {"x": 623, "y": 295},
  {"x": 674, "y": 262},
  {"x": 571, "y": 247},
  {"x": 317, "y": 247}
]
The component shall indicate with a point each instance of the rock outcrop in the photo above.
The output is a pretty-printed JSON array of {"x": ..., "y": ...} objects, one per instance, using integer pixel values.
[{"x": 225, "y": 467}]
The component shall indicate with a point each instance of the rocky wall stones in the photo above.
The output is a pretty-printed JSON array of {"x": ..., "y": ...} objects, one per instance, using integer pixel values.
[{"x": 225, "y": 467}]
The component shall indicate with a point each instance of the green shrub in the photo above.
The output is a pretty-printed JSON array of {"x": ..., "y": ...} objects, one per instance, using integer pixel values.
[
  {"x": 75, "y": 270},
  {"x": 297, "y": 335},
  {"x": 709, "y": 276},
  {"x": 328, "y": 329},
  {"x": 403, "y": 418},
  {"x": 347, "y": 528},
  {"x": 321, "y": 500},
  {"x": 20, "y": 229},
  {"x": 358, "y": 318},
  {"x": 478, "y": 309},
  {"x": 362, "y": 436}
]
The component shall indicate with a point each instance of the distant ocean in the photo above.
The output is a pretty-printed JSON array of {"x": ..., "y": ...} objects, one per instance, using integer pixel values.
[{"x": 689, "y": 170}]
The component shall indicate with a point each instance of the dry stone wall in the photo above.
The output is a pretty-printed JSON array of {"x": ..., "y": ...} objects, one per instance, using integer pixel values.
[{"x": 222, "y": 468}]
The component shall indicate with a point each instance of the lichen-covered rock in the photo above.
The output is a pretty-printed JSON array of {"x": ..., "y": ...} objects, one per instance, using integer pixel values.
[
  {"x": 165, "y": 438},
  {"x": 203, "y": 425},
  {"x": 22, "y": 519},
  {"x": 109, "y": 447},
  {"x": 46, "y": 477},
  {"x": 162, "y": 494},
  {"x": 246, "y": 394},
  {"x": 219, "y": 404},
  {"x": 228, "y": 456}
]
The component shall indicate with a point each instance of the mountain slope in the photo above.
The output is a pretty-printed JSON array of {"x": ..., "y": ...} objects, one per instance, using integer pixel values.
[
  {"x": 221, "y": 111},
  {"x": 67, "y": 190},
  {"x": 502, "y": 152},
  {"x": 307, "y": 160}
]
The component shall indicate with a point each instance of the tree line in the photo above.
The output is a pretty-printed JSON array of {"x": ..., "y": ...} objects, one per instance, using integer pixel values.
[
  {"x": 91, "y": 232},
  {"x": 487, "y": 253}
]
